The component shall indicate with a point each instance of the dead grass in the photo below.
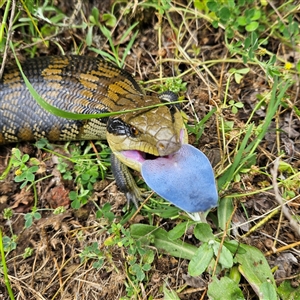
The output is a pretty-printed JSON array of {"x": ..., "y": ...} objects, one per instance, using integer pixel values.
[{"x": 182, "y": 43}]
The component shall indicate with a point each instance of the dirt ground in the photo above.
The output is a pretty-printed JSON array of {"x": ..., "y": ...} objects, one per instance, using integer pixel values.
[{"x": 55, "y": 270}]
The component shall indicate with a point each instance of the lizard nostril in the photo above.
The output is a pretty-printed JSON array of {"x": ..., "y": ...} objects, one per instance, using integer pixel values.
[
  {"x": 167, "y": 147},
  {"x": 161, "y": 145}
]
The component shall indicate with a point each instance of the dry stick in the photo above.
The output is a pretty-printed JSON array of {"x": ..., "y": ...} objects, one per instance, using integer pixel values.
[
  {"x": 294, "y": 225},
  {"x": 9, "y": 34},
  {"x": 224, "y": 235},
  {"x": 283, "y": 248}
]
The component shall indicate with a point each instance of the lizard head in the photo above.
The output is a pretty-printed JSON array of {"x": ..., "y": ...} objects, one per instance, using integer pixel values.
[{"x": 148, "y": 133}]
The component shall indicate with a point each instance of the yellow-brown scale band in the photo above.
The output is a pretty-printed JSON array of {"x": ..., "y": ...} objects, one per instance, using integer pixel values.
[
  {"x": 78, "y": 84},
  {"x": 90, "y": 85}
]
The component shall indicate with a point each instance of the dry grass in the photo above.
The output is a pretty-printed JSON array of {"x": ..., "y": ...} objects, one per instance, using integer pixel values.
[{"x": 179, "y": 42}]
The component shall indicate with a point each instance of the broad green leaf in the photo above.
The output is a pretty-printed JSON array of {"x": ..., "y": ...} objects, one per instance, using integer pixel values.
[
  {"x": 169, "y": 294},
  {"x": 161, "y": 241},
  {"x": 242, "y": 21},
  {"x": 201, "y": 260},
  {"x": 243, "y": 71},
  {"x": 256, "y": 15},
  {"x": 254, "y": 267},
  {"x": 37, "y": 215},
  {"x": 178, "y": 231},
  {"x": 225, "y": 288},
  {"x": 203, "y": 232},
  {"x": 213, "y": 6},
  {"x": 224, "y": 13},
  {"x": 268, "y": 291},
  {"x": 234, "y": 247},
  {"x": 252, "y": 26},
  {"x": 225, "y": 259}
]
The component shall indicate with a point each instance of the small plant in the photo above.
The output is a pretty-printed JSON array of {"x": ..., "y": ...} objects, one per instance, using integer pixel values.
[
  {"x": 110, "y": 20},
  {"x": 139, "y": 258},
  {"x": 24, "y": 173},
  {"x": 31, "y": 217},
  {"x": 9, "y": 244},
  {"x": 86, "y": 171},
  {"x": 27, "y": 252},
  {"x": 199, "y": 127},
  {"x": 7, "y": 213},
  {"x": 175, "y": 85},
  {"x": 105, "y": 212},
  {"x": 218, "y": 258},
  {"x": 235, "y": 106},
  {"x": 92, "y": 252}
]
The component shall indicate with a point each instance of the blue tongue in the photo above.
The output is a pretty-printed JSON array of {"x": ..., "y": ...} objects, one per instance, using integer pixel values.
[{"x": 184, "y": 178}]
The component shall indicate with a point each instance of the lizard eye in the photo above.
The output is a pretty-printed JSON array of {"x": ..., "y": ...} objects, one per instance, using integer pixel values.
[
  {"x": 117, "y": 126},
  {"x": 134, "y": 131}
]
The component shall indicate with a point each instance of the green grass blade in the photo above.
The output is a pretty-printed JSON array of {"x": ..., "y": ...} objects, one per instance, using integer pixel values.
[
  {"x": 128, "y": 47},
  {"x": 74, "y": 116},
  {"x": 246, "y": 153},
  {"x": 224, "y": 180},
  {"x": 4, "y": 267}
]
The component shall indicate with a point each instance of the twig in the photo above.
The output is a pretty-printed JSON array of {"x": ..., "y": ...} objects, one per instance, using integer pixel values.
[{"x": 9, "y": 34}]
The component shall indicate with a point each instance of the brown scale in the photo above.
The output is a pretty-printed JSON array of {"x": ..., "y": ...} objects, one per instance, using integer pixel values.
[
  {"x": 73, "y": 83},
  {"x": 90, "y": 85},
  {"x": 87, "y": 85}
]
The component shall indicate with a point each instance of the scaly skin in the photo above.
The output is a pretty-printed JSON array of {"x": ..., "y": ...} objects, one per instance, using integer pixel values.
[{"x": 90, "y": 85}]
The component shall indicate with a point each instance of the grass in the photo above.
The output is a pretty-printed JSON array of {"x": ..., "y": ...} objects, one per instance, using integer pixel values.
[{"x": 236, "y": 64}]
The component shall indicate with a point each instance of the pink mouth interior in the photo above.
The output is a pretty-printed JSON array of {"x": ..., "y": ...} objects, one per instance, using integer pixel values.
[
  {"x": 135, "y": 155},
  {"x": 141, "y": 157}
]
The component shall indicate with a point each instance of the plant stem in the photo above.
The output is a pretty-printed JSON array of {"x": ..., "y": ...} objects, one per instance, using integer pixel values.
[{"x": 6, "y": 279}]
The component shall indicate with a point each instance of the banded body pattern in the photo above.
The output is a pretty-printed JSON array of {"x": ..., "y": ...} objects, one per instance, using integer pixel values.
[
  {"x": 72, "y": 83},
  {"x": 89, "y": 85}
]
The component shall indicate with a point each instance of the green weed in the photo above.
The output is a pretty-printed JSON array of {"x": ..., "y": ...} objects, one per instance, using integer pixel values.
[
  {"x": 249, "y": 30},
  {"x": 214, "y": 256},
  {"x": 93, "y": 252},
  {"x": 88, "y": 168},
  {"x": 24, "y": 173},
  {"x": 110, "y": 21}
]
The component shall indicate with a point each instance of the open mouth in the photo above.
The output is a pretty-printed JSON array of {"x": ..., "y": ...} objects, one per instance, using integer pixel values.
[
  {"x": 185, "y": 178},
  {"x": 140, "y": 156}
]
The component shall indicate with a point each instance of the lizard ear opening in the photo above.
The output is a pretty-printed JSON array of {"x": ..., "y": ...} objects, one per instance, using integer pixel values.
[{"x": 169, "y": 96}]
